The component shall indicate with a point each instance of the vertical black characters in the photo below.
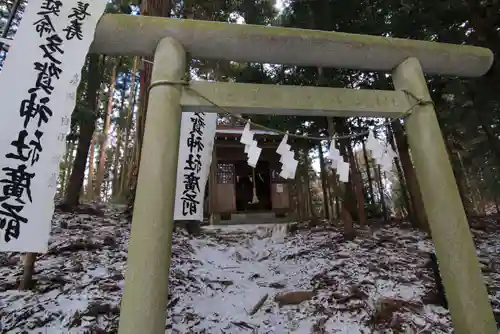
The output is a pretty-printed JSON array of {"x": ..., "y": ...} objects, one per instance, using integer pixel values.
[
  {"x": 193, "y": 165},
  {"x": 77, "y": 16},
  {"x": 16, "y": 178}
]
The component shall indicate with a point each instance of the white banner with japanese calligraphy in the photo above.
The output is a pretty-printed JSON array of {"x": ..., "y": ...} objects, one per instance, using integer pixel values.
[
  {"x": 195, "y": 155},
  {"x": 37, "y": 92}
]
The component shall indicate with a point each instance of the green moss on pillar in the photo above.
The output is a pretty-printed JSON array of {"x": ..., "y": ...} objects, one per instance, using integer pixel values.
[
  {"x": 144, "y": 302},
  {"x": 465, "y": 290}
]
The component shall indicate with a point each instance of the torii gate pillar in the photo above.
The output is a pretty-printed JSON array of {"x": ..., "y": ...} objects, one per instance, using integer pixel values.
[
  {"x": 144, "y": 302},
  {"x": 463, "y": 280}
]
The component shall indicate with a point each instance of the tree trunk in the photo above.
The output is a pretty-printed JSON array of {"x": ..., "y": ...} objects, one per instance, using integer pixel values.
[
  {"x": 304, "y": 195},
  {"x": 119, "y": 140},
  {"x": 307, "y": 182},
  {"x": 160, "y": 8},
  {"x": 90, "y": 177},
  {"x": 338, "y": 208},
  {"x": 87, "y": 128},
  {"x": 356, "y": 203},
  {"x": 105, "y": 132},
  {"x": 411, "y": 178},
  {"x": 300, "y": 202},
  {"x": 358, "y": 187},
  {"x": 338, "y": 189},
  {"x": 368, "y": 174},
  {"x": 291, "y": 199},
  {"x": 479, "y": 200},
  {"x": 70, "y": 161},
  {"x": 381, "y": 193},
  {"x": 333, "y": 193},
  {"x": 65, "y": 169},
  {"x": 349, "y": 231},
  {"x": 402, "y": 181},
  {"x": 330, "y": 188},
  {"x": 130, "y": 110},
  {"x": 404, "y": 192},
  {"x": 324, "y": 184}
]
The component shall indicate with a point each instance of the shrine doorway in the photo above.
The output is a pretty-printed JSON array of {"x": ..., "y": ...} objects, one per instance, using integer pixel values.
[{"x": 253, "y": 187}]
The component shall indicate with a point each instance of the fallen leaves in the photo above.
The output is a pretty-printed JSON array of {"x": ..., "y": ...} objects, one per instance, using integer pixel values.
[{"x": 238, "y": 279}]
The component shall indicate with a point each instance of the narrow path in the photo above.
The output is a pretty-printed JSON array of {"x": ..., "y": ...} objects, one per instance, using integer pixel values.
[
  {"x": 374, "y": 284},
  {"x": 240, "y": 265}
]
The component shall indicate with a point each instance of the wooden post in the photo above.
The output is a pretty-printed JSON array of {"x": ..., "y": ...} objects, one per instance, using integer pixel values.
[
  {"x": 464, "y": 284},
  {"x": 28, "y": 269},
  {"x": 144, "y": 302}
]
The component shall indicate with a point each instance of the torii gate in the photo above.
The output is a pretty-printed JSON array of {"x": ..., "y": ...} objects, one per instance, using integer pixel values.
[{"x": 144, "y": 301}]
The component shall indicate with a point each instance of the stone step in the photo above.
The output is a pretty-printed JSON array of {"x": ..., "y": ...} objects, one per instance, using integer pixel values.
[{"x": 255, "y": 218}]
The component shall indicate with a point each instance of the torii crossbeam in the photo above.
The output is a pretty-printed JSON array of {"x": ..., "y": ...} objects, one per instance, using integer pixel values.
[{"x": 145, "y": 298}]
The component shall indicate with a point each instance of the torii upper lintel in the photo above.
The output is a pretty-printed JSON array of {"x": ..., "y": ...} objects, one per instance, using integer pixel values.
[{"x": 139, "y": 36}]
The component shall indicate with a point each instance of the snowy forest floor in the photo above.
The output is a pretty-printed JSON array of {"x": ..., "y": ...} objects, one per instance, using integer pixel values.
[{"x": 376, "y": 283}]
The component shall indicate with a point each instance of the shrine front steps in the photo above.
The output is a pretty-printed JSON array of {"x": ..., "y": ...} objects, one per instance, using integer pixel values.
[{"x": 254, "y": 218}]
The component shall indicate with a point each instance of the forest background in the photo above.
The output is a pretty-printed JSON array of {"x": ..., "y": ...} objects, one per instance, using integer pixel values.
[{"x": 103, "y": 148}]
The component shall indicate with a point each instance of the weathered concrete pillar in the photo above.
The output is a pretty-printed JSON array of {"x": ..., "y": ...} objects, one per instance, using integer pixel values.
[
  {"x": 144, "y": 303},
  {"x": 464, "y": 284}
]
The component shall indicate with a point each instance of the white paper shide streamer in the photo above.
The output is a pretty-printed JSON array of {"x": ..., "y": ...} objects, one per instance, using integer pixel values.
[
  {"x": 251, "y": 149},
  {"x": 338, "y": 163},
  {"x": 287, "y": 159},
  {"x": 195, "y": 156},
  {"x": 383, "y": 155},
  {"x": 38, "y": 92}
]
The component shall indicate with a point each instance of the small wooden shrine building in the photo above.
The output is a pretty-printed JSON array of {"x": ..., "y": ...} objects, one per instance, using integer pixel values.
[{"x": 234, "y": 187}]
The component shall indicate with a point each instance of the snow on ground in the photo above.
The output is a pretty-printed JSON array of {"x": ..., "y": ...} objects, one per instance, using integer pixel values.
[{"x": 239, "y": 279}]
